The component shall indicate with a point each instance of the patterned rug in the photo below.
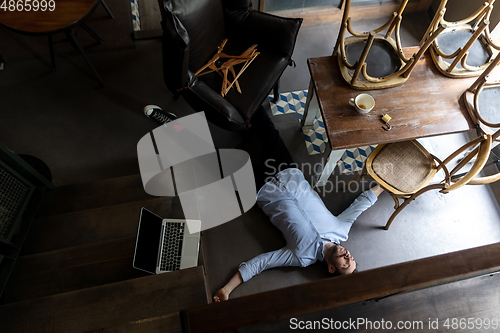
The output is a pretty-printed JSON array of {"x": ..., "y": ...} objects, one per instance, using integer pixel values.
[
  {"x": 316, "y": 139},
  {"x": 134, "y": 9}
]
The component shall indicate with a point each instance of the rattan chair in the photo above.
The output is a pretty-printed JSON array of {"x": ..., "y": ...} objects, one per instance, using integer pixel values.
[
  {"x": 482, "y": 99},
  {"x": 464, "y": 48},
  {"x": 371, "y": 60},
  {"x": 406, "y": 169}
]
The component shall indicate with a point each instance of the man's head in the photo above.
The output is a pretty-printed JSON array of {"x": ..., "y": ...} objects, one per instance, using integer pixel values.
[{"x": 339, "y": 260}]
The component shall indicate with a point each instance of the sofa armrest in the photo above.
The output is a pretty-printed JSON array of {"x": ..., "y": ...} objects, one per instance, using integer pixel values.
[
  {"x": 217, "y": 110},
  {"x": 270, "y": 32},
  {"x": 175, "y": 49}
]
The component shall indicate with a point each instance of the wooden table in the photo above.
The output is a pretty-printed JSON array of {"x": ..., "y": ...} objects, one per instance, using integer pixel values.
[
  {"x": 65, "y": 15},
  {"x": 428, "y": 104}
]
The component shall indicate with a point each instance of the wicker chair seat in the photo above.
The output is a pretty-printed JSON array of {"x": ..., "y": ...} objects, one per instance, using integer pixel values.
[
  {"x": 406, "y": 169},
  {"x": 405, "y": 166}
]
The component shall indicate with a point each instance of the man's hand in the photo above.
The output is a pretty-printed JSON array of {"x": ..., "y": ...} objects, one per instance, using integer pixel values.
[
  {"x": 223, "y": 293},
  {"x": 221, "y": 296},
  {"x": 377, "y": 189}
]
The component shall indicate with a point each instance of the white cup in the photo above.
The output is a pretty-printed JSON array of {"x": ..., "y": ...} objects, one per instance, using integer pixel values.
[{"x": 363, "y": 103}]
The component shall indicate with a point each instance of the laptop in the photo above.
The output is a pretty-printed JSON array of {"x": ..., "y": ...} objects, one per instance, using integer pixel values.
[{"x": 165, "y": 245}]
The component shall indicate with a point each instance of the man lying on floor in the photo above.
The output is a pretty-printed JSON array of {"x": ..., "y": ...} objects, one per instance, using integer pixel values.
[{"x": 311, "y": 231}]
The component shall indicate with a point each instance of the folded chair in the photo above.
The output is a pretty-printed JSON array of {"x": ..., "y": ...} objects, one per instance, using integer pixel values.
[
  {"x": 406, "y": 169},
  {"x": 194, "y": 31},
  {"x": 464, "y": 48},
  {"x": 372, "y": 60}
]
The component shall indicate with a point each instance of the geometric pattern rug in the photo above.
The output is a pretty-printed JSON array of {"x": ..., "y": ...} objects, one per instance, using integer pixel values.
[
  {"x": 316, "y": 139},
  {"x": 136, "y": 21}
]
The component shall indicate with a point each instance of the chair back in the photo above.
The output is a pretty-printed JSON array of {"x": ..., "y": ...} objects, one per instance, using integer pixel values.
[
  {"x": 490, "y": 178},
  {"x": 467, "y": 39},
  {"x": 481, "y": 154},
  {"x": 484, "y": 111},
  {"x": 384, "y": 54},
  {"x": 416, "y": 168},
  {"x": 192, "y": 31}
]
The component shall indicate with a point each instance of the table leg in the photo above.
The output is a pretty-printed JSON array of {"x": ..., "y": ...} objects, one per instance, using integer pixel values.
[
  {"x": 331, "y": 163},
  {"x": 91, "y": 32},
  {"x": 311, "y": 109},
  {"x": 276, "y": 91},
  {"x": 77, "y": 46},
  {"x": 52, "y": 55},
  {"x": 107, "y": 9}
]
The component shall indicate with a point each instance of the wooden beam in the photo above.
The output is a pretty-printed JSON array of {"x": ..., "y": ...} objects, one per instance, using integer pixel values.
[
  {"x": 50, "y": 233},
  {"x": 339, "y": 291},
  {"x": 72, "y": 268},
  {"x": 146, "y": 304}
]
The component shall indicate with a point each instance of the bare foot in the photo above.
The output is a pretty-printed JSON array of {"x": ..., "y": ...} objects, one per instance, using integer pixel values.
[
  {"x": 221, "y": 296},
  {"x": 377, "y": 189}
]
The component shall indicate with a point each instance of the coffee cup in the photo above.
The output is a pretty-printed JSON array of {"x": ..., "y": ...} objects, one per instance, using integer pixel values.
[{"x": 363, "y": 103}]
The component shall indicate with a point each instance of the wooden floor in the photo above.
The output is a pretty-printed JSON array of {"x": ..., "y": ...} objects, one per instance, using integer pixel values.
[
  {"x": 75, "y": 273},
  {"x": 438, "y": 309}
]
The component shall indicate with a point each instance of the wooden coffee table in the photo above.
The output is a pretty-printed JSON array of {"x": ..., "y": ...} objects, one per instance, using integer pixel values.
[
  {"x": 65, "y": 15},
  {"x": 428, "y": 104}
]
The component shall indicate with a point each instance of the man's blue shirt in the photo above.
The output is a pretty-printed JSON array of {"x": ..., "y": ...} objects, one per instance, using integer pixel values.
[{"x": 307, "y": 225}]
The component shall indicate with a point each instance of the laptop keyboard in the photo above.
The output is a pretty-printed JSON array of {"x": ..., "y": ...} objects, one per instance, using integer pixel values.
[{"x": 172, "y": 246}]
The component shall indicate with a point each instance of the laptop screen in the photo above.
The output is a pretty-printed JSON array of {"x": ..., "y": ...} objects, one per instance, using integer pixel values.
[{"x": 148, "y": 241}]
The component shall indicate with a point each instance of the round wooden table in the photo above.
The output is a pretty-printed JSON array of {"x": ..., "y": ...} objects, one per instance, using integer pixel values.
[{"x": 65, "y": 15}]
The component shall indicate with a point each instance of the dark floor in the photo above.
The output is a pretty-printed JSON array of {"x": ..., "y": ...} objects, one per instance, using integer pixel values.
[{"x": 84, "y": 132}]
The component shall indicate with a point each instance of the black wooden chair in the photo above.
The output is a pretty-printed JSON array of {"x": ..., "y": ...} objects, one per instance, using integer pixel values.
[{"x": 192, "y": 33}]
